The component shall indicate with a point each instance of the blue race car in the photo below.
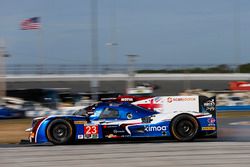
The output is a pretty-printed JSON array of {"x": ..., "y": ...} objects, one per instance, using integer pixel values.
[
  {"x": 10, "y": 113},
  {"x": 181, "y": 117}
]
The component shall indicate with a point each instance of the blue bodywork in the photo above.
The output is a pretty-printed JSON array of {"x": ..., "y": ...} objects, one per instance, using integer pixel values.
[
  {"x": 124, "y": 109},
  {"x": 121, "y": 117}
]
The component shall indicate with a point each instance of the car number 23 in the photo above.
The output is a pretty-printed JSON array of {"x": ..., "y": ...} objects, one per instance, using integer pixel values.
[{"x": 92, "y": 129}]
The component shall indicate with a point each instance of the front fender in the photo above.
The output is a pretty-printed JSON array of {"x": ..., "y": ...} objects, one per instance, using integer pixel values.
[{"x": 40, "y": 134}]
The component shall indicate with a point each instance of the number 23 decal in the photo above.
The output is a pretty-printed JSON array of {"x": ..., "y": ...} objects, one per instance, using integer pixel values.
[{"x": 91, "y": 129}]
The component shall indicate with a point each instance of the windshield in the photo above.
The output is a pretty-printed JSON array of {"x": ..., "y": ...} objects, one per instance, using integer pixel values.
[
  {"x": 85, "y": 111},
  {"x": 81, "y": 112}
]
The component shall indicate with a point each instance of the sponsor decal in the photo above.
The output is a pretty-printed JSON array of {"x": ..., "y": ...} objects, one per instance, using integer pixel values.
[
  {"x": 211, "y": 120},
  {"x": 210, "y": 105},
  {"x": 146, "y": 120},
  {"x": 170, "y": 100},
  {"x": 111, "y": 126},
  {"x": 176, "y": 99},
  {"x": 127, "y": 99},
  {"x": 155, "y": 128},
  {"x": 208, "y": 128},
  {"x": 118, "y": 131},
  {"x": 80, "y": 136},
  {"x": 91, "y": 136},
  {"x": 80, "y": 122},
  {"x": 157, "y": 99}
]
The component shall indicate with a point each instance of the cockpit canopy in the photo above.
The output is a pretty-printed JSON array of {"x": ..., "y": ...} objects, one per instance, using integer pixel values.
[{"x": 121, "y": 111}]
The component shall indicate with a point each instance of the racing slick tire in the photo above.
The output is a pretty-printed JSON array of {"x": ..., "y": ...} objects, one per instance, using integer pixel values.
[
  {"x": 60, "y": 131},
  {"x": 184, "y": 127}
]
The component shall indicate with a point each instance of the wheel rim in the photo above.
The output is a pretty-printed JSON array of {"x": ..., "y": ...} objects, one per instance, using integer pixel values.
[
  {"x": 185, "y": 128},
  {"x": 59, "y": 132}
]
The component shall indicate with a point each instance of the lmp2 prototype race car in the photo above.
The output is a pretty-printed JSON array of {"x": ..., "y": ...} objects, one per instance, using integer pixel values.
[{"x": 182, "y": 117}]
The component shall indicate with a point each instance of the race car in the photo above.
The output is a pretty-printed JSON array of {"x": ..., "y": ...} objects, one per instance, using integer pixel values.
[{"x": 181, "y": 117}]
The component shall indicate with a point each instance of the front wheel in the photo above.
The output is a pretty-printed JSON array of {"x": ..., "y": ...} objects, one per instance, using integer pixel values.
[
  {"x": 59, "y": 131},
  {"x": 184, "y": 127}
]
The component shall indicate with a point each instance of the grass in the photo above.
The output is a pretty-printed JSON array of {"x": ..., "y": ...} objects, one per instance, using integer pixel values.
[{"x": 13, "y": 130}]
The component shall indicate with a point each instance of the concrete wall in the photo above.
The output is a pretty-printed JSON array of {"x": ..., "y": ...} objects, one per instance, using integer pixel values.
[
  {"x": 169, "y": 84},
  {"x": 165, "y": 87}
]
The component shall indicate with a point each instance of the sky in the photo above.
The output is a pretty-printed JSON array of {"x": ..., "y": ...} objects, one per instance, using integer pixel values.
[{"x": 159, "y": 31}]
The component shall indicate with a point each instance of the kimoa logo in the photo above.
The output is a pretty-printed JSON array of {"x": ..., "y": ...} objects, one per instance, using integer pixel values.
[{"x": 155, "y": 128}]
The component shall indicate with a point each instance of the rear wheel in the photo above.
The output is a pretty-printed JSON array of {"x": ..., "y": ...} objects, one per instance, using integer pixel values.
[
  {"x": 184, "y": 127},
  {"x": 60, "y": 131}
]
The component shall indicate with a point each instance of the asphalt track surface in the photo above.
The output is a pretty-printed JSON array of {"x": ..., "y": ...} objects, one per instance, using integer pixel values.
[{"x": 231, "y": 149}]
